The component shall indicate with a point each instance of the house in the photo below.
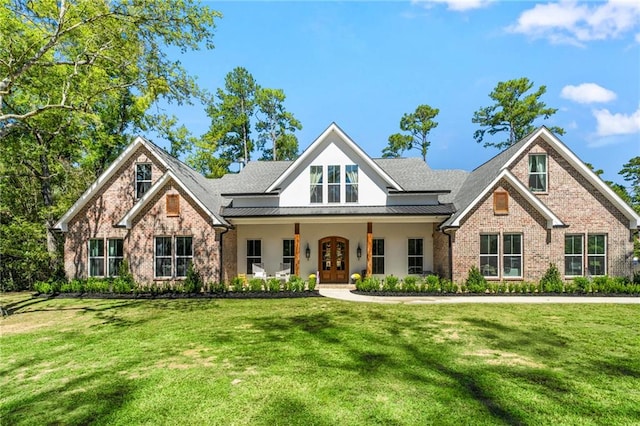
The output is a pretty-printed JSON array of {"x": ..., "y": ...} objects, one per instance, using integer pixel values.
[{"x": 335, "y": 211}]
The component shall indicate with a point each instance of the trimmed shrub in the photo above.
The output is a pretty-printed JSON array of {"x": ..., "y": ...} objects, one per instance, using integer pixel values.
[
  {"x": 255, "y": 284},
  {"x": 237, "y": 284},
  {"x": 97, "y": 285},
  {"x": 42, "y": 287},
  {"x": 476, "y": 282},
  {"x": 409, "y": 284},
  {"x": 551, "y": 282},
  {"x": 218, "y": 287},
  {"x": 368, "y": 284},
  {"x": 193, "y": 281},
  {"x": 390, "y": 283},
  {"x": 449, "y": 286},
  {"x": 312, "y": 283},
  {"x": 431, "y": 284},
  {"x": 296, "y": 284},
  {"x": 273, "y": 285}
]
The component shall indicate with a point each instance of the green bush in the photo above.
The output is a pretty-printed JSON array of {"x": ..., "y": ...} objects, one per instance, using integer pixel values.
[
  {"x": 193, "y": 281},
  {"x": 551, "y": 282},
  {"x": 97, "y": 285},
  {"x": 237, "y": 284},
  {"x": 368, "y": 284},
  {"x": 296, "y": 284},
  {"x": 449, "y": 286},
  {"x": 123, "y": 285},
  {"x": 409, "y": 284},
  {"x": 390, "y": 283},
  {"x": 312, "y": 283},
  {"x": 255, "y": 284},
  {"x": 42, "y": 287},
  {"x": 476, "y": 282},
  {"x": 218, "y": 287},
  {"x": 582, "y": 284},
  {"x": 273, "y": 285},
  {"x": 431, "y": 284}
]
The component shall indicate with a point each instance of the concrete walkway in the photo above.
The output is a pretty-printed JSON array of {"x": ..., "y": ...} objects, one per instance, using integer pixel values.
[{"x": 345, "y": 294}]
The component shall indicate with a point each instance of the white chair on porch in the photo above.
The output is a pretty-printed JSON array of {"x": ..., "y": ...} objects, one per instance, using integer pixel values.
[
  {"x": 284, "y": 272},
  {"x": 258, "y": 271}
]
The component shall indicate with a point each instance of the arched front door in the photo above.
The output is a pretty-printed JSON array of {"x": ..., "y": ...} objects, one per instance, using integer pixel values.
[{"x": 334, "y": 260}]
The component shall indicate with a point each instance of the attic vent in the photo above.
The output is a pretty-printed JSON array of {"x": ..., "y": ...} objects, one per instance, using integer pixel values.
[
  {"x": 501, "y": 202},
  {"x": 173, "y": 205}
]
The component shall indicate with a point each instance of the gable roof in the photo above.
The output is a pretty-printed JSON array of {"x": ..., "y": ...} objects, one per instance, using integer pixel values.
[
  {"x": 333, "y": 128},
  {"x": 193, "y": 182},
  {"x": 486, "y": 176}
]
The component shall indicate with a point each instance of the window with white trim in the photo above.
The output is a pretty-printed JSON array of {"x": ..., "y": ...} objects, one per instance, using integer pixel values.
[
  {"x": 573, "y": 255},
  {"x": 288, "y": 254},
  {"x": 415, "y": 257},
  {"x": 333, "y": 184},
  {"x": 351, "y": 183},
  {"x": 96, "y": 257},
  {"x": 163, "y": 257},
  {"x": 377, "y": 256},
  {"x": 538, "y": 172},
  {"x": 143, "y": 178},
  {"x": 254, "y": 254},
  {"x": 315, "y": 189},
  {"x": 184, "y": 255},
  {"x": 115, "y": 256},
  {"x": 597, "y": 254},
  {"x": 489, "y": 255},
  {"x": 512, "y": 255}
]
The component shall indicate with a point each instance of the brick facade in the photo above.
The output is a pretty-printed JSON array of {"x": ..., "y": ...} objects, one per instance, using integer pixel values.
[{"x": 581, "y": 207}]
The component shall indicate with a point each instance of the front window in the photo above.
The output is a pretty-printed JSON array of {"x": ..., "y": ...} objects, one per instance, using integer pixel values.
[
  {"x": 573, "y": 259},
  {"x": 377, "y": 256},
  {"x": 597, "y": 254},
  {"x": 254, "y": 254},
  {"x": 143, "y": 179},
  {"x": 489, "y": 255},
  {"x": 512, "y": 255},
  {"x": 415, "y": 258},
  {"x": 333, "y": 184},
  {"x": 351, "y": 183},
  {"x": 288, "y": 254},
  {"x": 163, "y": 257},
  {"x": 316, "y": 184},
  {"x": 538, "y": 173},
  {"x": 96, "y": 258},
  {"x": 115, "y": 256},
  {"x": 184, "y": 255}
]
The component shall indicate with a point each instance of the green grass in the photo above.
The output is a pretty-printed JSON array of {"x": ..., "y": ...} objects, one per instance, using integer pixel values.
[{"x": 316, "y": 361}]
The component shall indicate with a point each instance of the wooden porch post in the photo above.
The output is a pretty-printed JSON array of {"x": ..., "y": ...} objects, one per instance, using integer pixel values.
[
  {"x": 369, "y": 248},
  {"x": 296, "y": 245}
]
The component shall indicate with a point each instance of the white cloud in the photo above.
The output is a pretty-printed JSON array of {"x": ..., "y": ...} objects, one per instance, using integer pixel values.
[
  {"x": 617, "y": 124},
  {"x": 587, "y": 93},
  {"x": 573, "y": 23},
  {"x": 456, "y": 5}
]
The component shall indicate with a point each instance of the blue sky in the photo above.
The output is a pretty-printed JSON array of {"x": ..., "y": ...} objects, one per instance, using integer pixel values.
[{"x": 364, "y": 64}]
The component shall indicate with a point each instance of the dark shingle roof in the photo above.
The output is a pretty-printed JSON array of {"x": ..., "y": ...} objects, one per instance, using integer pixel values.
[{"x": 422, "y": 210}]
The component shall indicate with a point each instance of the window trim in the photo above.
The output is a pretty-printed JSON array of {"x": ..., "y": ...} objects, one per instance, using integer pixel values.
[
  {"x": 351, "y": 188},
  {"x": 415, "y": 256},
  {"x": 504, "y": 255},
  {"x": 335, "y": 183},
  {"x": 90, "y": 257},
  {"x": 545, "y": 173},
  {"x": 156, "y": 257},
  {"x": 115, "y": 258},
  {"x": 376, "y": 256},
  {"x": 495, "y": 255},
  {"x": 317, "y": 185},
  {"x": 247, "y": 256},
  {"x": 290, "y": 259},
  {"x": 602, "y": 255},
  {"x": 149, "y": 181},
  {"x": 179, "y": 256},
  {"x": 580, "y": 255}
]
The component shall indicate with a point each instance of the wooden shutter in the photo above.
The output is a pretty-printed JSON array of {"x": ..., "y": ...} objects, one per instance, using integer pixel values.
[
  {"x": 173, "y": 205},
  {"x": 501, "y": 202}
]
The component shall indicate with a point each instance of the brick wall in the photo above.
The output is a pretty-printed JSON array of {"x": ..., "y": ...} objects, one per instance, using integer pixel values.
[{"x": 572, "y": 198}]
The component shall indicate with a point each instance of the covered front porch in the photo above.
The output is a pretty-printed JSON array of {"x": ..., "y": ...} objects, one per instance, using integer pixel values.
[{"x": 335, "y": 248}]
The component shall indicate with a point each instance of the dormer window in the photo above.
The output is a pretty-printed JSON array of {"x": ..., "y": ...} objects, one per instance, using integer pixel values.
[
  {"x": 538, "y": 173},
  {"x": 315, "y": 174},
  {"x": 143, "y": 178},
  {"x": 333, "y": 184},
  {"x": 351, "y": 183}
]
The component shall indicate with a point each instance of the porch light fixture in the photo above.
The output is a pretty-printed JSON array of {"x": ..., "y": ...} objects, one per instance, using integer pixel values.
[
  {"x": 359, "y": 251},
  {"x": 307, "y": 252}
]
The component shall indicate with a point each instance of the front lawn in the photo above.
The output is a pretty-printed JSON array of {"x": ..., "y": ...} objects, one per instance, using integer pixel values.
[{"x": 316, "y": 361}]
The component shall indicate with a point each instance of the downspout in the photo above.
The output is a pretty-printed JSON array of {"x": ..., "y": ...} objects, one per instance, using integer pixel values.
[{"x": 221, "y": 255}]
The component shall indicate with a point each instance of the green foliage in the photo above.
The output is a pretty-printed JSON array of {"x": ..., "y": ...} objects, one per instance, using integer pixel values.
[
  {"x": 97, "y": 285},
  {"x": 237, "y": 284},
  {"x": 42, "y": 287},
  {"x": 409, "y": 284},
  {"x": 514, "y": 112},
  {"x": 431, "y": 284},
  {"x": 193, "y": 282},
  {"x": 311, "y": 285},
  {"x": 418, "y": 125},
  {"x": 296, "y": 284},
  {"x": 476, "y": 282},
  {"x": 551, "y": 281},
  {"x": 255, "y": 284},
  {"x": 275, "y": 126},
  {"x": 631, "y": 173},
  {"x": 218, "y": 287},
  {"x": 390, "y": 283},
  {"x": 449, "y": 286},
  {"x": 273, "y": 285},
  {"x": 369, "y": 284}
]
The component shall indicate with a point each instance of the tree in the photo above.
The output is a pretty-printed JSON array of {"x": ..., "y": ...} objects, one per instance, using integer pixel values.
[
  {"x": 77, "y": 78},
  {"x": 418, "y": 124},
  {"x": 514, "y": 112},
  {"x": 276, "y": 126},
  {"x": 631, "y": 173}
]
